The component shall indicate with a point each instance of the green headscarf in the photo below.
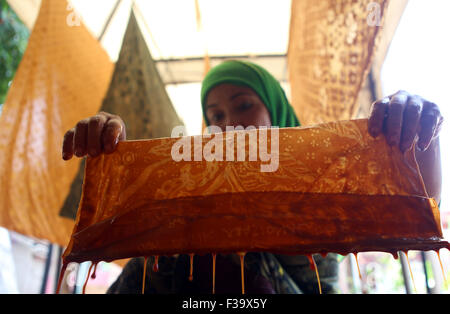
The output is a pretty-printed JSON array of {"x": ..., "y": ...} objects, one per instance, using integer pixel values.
[{"x": 248, "y": 74}]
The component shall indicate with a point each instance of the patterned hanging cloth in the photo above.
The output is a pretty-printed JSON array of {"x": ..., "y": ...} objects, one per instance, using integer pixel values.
[
  {"x": 137, "y": 94},
  {"x": 62, "y": 78}
]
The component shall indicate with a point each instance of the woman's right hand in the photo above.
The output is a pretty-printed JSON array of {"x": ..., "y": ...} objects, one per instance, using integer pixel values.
[{"x": 94, "y": 136}]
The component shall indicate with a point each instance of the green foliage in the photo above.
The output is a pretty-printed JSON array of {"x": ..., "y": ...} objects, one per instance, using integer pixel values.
[{"x": 13, "y": 41}]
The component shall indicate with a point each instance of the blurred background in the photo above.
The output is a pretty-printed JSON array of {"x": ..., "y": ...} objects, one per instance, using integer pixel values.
[{"x": 180, "y": 41}]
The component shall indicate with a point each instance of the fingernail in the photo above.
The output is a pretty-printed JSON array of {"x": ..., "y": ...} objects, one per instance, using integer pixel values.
[
  {"x": 93, "y": 152},
  {"x": 64, "y": 156}
]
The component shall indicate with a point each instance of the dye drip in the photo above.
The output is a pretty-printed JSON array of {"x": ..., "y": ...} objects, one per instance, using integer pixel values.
[
  {"x": 214, "y": 274},
  {"x": 155, "y": 264},
  {"x": 155, "y": 268},
  {"x": 61, "y": 275},
  {"x": 191, "y": 268},
  {"x": 357, "y": 265},
  {"x": 143, "y": 276},
  {"x": 87, "y": 278},
  {"x": 93, "y": 276},
  {"x": 241, "y": 256},
  {"x": 442, "y": 268},
  {"x": 410, "y": 272},
  {"x": 313, "y": 266}
]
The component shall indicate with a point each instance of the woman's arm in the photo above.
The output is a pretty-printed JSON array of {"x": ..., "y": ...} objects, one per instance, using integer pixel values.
[{"x": 406, "y": 119}]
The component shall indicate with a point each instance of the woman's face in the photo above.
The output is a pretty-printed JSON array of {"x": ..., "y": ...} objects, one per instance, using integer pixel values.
[{"x": 232, "y": 105}]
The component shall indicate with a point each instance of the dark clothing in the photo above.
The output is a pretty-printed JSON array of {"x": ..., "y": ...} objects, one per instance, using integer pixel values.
[{"x": 265, "y": 273}]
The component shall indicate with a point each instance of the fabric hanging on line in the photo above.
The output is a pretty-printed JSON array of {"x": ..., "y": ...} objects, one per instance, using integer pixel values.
[
  {"x": 331, "y": 47},
  {"x": 335, "y": 189},
  {"x": 138, "y": 95},
  {"x": 62, "y": 78}
]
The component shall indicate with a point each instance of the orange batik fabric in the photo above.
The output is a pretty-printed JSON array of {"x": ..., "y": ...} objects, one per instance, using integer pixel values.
[
  {"x": 335, "y": 189},
  {"x": 331, "y": 48}
]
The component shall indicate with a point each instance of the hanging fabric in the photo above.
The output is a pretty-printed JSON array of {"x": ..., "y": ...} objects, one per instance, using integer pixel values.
[
  {"x": 62, "y": 78},
  {"x": 331, "y": 49},
  {"x": 136, "y": 94}
]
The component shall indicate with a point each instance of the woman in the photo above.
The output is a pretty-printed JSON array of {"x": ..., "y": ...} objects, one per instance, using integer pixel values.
[{"x": 242, "y": 93}]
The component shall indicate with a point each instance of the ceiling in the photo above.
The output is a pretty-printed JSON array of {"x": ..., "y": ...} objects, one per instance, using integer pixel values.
[{"x": 180, "y": 32}]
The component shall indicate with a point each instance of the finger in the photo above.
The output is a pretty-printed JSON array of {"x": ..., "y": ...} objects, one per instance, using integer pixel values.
[
  {"x": 394, "y": 119},
  {"x": 123, "y": 134},
  {"x": 377, "y": 115},
  {"x": 107, "y": 115},
  {"x": 111, "y": 134},
  {"x": 95, "y": 128},
  {"x": 438, "y": 129},
  {"x": 428, "y": 124},
  {"x": 67, "y": 147},
  {"x": 411, "y": 121},
  {"x": 80, "y": 138}
]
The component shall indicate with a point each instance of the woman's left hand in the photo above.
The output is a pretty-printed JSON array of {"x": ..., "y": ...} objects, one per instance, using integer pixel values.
[{"x": 403, "y": 118}]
